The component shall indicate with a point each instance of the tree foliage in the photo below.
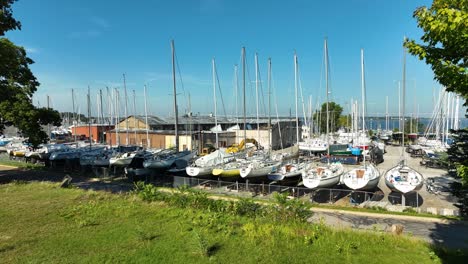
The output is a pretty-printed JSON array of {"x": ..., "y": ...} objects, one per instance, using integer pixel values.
[
  {"x": 445, "y": 43},
  {"x": 458, "y": 153},
  {"x": 413, "y": 125},
  {"x": 18, "y": 84},
  {"x": 335, "y": 111},
  {"x": 7, "y": 21}
]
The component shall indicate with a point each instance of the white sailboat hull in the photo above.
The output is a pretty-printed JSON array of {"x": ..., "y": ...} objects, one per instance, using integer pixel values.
[
  {"x": 362, "y": 178},
  {"x": 122, "y": 161},
  {"x": 404, "y": 179},
  {"x": 287, "y": 171},
  {"x": 312, "y": 147},
  {"x": 199, "y": 171},
  {"x": 322, "y": 176},
  {"x": 162, "y": 164},
  {"x": 251, "y": 172}
]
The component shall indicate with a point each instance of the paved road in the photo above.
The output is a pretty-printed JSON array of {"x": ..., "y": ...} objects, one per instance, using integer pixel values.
[{"x": 452, "y": 234}]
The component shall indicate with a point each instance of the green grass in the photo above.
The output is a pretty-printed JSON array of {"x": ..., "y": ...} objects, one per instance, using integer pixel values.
[
  {"x": 4, "y": 160},
  {"x": 42, "y": 223}
]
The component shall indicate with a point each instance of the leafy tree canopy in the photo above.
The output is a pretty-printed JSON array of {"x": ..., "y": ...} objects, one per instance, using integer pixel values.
[
  {"x": 445, "y": 43},
  {"x": 335, "y": 111},
  {"x": 18, "y": 84},
  {"x": 7, "y": 22}
]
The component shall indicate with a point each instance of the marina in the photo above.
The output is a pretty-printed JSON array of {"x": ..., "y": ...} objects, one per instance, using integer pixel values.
[{"x": 434, "y": 197}]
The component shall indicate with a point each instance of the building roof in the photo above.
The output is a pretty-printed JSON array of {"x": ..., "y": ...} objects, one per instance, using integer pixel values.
[{"x": 207, "y": 120}]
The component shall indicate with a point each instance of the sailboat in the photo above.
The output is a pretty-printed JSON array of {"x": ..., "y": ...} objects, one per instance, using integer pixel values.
[
  {"x": 232, "y": 169},
  {"x": 367, "y": 176},
  {"x": 403, "y": 178},
  {"x": 290, "y": 169},
  {"x": 322, "y": 176},
  {"x": 204, "y": 165},
  {"x": 171, "y": 158}
]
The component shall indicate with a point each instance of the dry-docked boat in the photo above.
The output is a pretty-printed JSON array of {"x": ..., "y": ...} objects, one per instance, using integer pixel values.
[
  {"x": 122, "y": 159},
  {"x": 365, "y": 177},
  {"x": 259, "y": 168},
  {"x": 288, "y": 171},
  {"x": 164, "y": 160},
  {"x": 204, "y": 165},
  {"x": 322, "y": 176},
  {"x": 231, "y": 169},
  {"x": 403, "y": 179}
]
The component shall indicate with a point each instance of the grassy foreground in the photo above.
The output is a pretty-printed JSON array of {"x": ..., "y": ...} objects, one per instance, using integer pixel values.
[
  {"x": 42, "y": 223},
  {"x": 4, "y": 160}
]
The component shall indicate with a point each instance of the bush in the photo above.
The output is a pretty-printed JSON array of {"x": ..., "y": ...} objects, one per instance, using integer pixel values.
[
  {"x": 285, "y": 209},
  {"x": 147, "y": 192},
  {"x": 290, "y": 209},
  {"x": 247, "y": 207}
]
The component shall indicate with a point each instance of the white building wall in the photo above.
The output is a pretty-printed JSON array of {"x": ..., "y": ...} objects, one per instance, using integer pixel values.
[{"x": 185, "y": 142}]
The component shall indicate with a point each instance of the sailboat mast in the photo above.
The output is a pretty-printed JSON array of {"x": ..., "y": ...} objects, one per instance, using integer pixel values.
[
  {"x": 295, "y": 97},
  {"x": 326, "y": 85},
  {"x": 126, "y": 114},
  {"x": 399, "y": 105},
  {"x": 363, "y": 91},
  {"x": 403, "y": 101},
  {"x": 75, "y": 123},
  {"x": 48, "y": 124},
  {"x": 134, "y": 117},
  {"x": 215, "y": 103},
  {"x": 176, "y": 132},
  {"x": 117, "y": 115},
  {"x": 363, "y": 88},
  {"x": 190, "y": 121},
  {"x": 148, "y": 145},
  {"x": 386, "y": 113},
  {"x": 256, "y": 95},
  {"x": 109, "y": 106},
  {"x": 269, "y": 103},
  {"x": 101, "y": 106},
  {"x": 89, "y": 117},
  {"x": 243, "y": 88},
  {"x": 236, "y": 87},
  {"x": 98, "y": 109}
]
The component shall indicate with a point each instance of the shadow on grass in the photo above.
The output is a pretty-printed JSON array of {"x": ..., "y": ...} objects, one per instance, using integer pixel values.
[
  {"x": 211, "y": 250},
  {"x": 83, "y": 181},
  {"x": 450, "y": 256}
]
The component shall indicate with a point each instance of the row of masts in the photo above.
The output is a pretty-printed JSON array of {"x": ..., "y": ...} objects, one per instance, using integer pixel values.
[{"x": 113, "y": 109}]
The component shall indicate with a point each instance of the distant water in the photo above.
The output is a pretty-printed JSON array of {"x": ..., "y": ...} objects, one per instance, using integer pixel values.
[{"x": 379, "y": 122}]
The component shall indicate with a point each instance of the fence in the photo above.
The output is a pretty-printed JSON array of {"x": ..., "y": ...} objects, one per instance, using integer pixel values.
[{"x": 324, "y": 195}]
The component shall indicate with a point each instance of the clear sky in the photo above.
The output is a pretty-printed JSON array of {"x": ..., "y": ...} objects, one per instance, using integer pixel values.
[{"x": 89, "y": 42}]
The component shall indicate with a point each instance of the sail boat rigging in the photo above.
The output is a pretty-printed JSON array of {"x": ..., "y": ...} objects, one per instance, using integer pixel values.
[
  {"x": 171, "y": 160},
  {"x": 403, "y": 178},
  {"x": 176, "y": 115},
  {"x": 364, "y": 177},
  {"x": 215, "y": 104},
  {"x": 314, "y": 175}
]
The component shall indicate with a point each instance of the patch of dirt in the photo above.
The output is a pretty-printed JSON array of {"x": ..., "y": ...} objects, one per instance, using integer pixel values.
[{"x": 8, "y": 175}]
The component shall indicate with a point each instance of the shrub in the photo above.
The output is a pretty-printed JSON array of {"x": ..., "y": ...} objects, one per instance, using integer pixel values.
[
  {"x": 147, "y": 192},
  {"x": 290, "y": 209},
  {"x": 247, "y": 207}
]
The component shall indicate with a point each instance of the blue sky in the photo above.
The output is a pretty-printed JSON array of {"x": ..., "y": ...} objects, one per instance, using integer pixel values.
[{"x": 81, "y": 43}]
